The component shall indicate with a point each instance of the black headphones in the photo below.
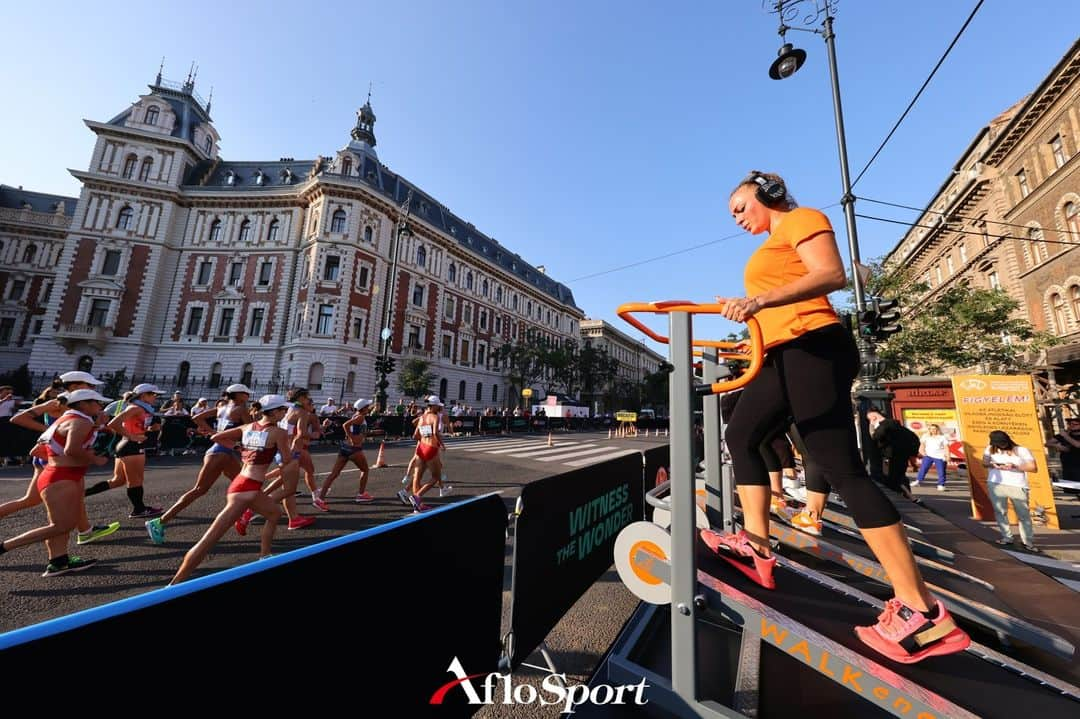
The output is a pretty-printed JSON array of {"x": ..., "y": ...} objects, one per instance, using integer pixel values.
[{"x": 769, "y": 192}]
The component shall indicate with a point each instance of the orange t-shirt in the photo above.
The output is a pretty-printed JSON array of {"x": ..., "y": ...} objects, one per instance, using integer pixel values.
[{"x": 777, "y": 263}]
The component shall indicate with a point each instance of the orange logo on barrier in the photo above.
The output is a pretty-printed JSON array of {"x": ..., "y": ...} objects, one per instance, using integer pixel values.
[{"x": 643, "y": 569}]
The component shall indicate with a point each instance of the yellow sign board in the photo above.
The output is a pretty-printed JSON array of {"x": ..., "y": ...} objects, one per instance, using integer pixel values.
[
  {"x": 1003, "y": 402},
  {"x": 626, "y": 416},
  {"x": 526, "y": 392}
]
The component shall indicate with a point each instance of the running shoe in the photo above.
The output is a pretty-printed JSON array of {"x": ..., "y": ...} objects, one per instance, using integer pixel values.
[
  {"x": 147, "y": 513},
  {"x": 156, "y": 530},
  {"x": 96, "y": 532},
  {"x": 320, "y": 504},
  {"x": 300, "y": 522},
  {"x": 446, "y": 490},
  {"x": 1004, "y": 541},
  {"x": 907, "y": 635},
  {"x": 242, "y": 523},
  {"x": 74, "y": 564},
  {"x": 781, "y": 509},
  {"x": 737, "y": 551},
  {"x": 805, "y": 522},
  {"x": 418, "y": 505},
  {"x": 941, "y": 488},
  {"x": 364, "y": 498},
  {"x": 404, "y": 497}
]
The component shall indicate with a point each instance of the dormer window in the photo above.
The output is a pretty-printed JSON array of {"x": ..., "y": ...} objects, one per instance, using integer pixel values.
[
  {"x": 208, "y": 144},
  {"x": 152, "y": 115},
  {"x": 230, "y": 178},
  {"x": 125, "y": 218},
  {"x": 286, "y": 176},
  {"x": 346, "y": 166},
  {"x": 260, "y": 178}
]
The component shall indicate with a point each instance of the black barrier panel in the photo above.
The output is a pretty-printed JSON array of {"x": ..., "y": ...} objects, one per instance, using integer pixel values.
[
  {"x": 464, "y": 424},
  {"x": 556, "y": 423},
  {"x": 392, "y": 425},
  {"x": 656, "y": 458},
  {"x": 519, "y": 424},
  {"x": 492, "y": 424},
  {"x": 434, "y": 583},
  {"x": 564, "y": 541}
]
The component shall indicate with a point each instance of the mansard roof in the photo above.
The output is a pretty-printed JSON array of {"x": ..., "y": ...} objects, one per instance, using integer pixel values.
[
  {"x": 184, "y": 101},
  {"x": 17, "y": 198},
  {"x": 378, "y": 177}
]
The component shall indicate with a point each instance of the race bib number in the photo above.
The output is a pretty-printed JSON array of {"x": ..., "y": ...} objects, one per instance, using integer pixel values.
[
  {"x": 425, "y": 430},
  {"x": 254, "y": 439}
]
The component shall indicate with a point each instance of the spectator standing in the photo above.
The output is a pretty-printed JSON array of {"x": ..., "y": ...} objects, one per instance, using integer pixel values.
[
  {"x": 934, "y": 448},
  {"x": 7, "y": 409},
  {"x": 175, "y": 408},
  {"x": 1067, "y": 445},
  {"x": 1007, "y": 482},
  {"x": 898, "y": 445},
  {"x": 329, "y": 409}
]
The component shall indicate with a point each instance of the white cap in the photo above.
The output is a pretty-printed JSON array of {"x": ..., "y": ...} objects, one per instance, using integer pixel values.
[
  {"x": 81, "y": 395},
  {"x": 242, "y": 388},
  {"x": 271, "y": 401},
  {"x": 362, "y": 403},
  {"x": 434, "y": 400},
  {"x": 201, "y": 400},
  {"x": 146, "y": 387},
  {"x": 80, "y": 377}
]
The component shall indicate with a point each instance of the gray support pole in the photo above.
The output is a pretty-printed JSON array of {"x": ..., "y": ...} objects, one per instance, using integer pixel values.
[
  {"x": 683, "y": 526},
  {"x": 712, "y": 371}
]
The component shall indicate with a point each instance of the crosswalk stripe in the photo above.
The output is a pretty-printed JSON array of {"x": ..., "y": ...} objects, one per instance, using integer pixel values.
[
  {"x": 601, "y": 458},
  {"x": 545, "y": 452},
  {"x": 526, "y": 450},
  {"x": 505, "y": 445},
  {"x": 571, "y": 455}
]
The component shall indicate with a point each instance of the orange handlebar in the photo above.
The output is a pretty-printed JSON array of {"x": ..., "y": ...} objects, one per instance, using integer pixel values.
[{"x": 755, "y": 355}]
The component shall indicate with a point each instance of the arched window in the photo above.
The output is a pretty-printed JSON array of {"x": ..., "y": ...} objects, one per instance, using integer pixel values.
[
  {"x": 479, "y": 391},
  {"x": 208, "y": 145},
  {"x": 315, "y": 376},
  {"x": 125, "y": 219},
  {"x": 182, "y": 374},
  {"x": 271, "y": 234},
  {"x": 367, "y": 234},
  {"x": 144, "y": 171},
  {"x": 215, "y": 376},
  {"x": 129, "y": 166},
  {"x": 215, "y": 231},
  {"x": 421, "y": 256},
  {"x": 442, "y": 387},
  {"x": 151, "y": 115},
  {"x": 484, "y": 288},
  {"x": 337, "y": 222},
  {"x": 461, "y": 390},
  {"x": 86, "y": 363},
  {"x": 245, "y": 236},
  {"x": 494, "y": 393},
  {"x": 1074, "y": 297},
  {"x": 30, "y": 253},
  {"x": 498, "y": 294},
  {"x": 1057, "y": 313},
  {"x": 1072, "y": 221},
  {"x": 350, "y": 382},
  {"x": 451, "y": 273},
  {"x": 346, "y": 166},
  {"x": 1038, "y": 245},
  {"x": 468, "y": 281},
  {"x": 246, "y": 373}
]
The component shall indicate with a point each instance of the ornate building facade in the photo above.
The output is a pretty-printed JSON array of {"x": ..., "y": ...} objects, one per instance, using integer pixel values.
[
  {"x": 636, "y": 361},
  {"x": 175, "y": 262},
  {"x": 1009, "y": 214}
]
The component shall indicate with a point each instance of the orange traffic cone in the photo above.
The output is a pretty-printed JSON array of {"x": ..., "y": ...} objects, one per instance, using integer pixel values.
[
  {"x": 609, "y": 433},
  {"x": 550, "y": 443},
  {"x": 380, "y": 461}
]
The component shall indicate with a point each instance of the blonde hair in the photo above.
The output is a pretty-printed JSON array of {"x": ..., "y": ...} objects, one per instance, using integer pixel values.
[{"x": 789, "y": 202}]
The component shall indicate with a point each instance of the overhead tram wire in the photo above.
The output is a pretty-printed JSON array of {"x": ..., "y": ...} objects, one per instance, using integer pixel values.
[
  {"x": 670, "y": 254},
  {"x": 917, "y": 94},
  {"x": 963, "y": 217},
  {"x": 982, "y": 234}
]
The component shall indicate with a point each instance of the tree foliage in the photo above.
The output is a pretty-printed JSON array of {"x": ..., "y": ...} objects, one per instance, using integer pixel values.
[
  {"x": 961, "y": 327},
  {"x": 414, "y": 378}
]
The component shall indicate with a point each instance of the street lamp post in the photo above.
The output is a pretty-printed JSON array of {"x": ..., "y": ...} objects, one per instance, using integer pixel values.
[
  {"x": 382, "y": 363},
  {"x": 789, "y": 59}
]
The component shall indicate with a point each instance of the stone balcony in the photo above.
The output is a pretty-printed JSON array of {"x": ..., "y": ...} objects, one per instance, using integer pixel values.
[
  {"x": 72, "y": 335},
  {"x": 26, "y": 216},
  {"x": 415, "y": 352}
]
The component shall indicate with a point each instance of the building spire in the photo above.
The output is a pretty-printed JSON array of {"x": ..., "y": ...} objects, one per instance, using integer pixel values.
[
  {"x": 161, "y": 67},
  {"x": 209, "y": 100},
  {"x": 364, "y": 132}
]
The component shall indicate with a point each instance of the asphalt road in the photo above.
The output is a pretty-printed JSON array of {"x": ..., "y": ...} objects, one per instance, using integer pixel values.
[{"x": 129, "y": 564}]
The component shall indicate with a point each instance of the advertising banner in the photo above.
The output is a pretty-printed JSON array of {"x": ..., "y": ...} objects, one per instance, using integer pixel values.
[
  {"x": 564, "y": 541},
  {"x": 1003, "y": 402},
  {"x": 919, "y": 419}
]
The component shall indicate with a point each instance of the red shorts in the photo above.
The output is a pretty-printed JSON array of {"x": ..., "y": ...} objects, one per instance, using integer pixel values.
[
  {"x": 53, "y": 474},
  {"x": 241, "y": 483},
  {"x": 426, "y": 452}
]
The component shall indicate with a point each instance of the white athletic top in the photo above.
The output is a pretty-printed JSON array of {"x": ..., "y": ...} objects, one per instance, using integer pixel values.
[
  {"x": 936, "y": 446},
  {"x": 1008, "y": 477}
]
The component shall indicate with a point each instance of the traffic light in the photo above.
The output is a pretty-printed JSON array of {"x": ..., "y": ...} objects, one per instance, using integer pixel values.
[
  {"x": 887, "y": 320},
  {"x": 867, "y": 323},
  {"x": 389, "y": 365}
]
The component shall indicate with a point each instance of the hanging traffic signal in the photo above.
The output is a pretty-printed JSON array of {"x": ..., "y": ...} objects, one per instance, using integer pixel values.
[
  {"x": 389, "y": 365},
  {"x": 887, "y": 316}
]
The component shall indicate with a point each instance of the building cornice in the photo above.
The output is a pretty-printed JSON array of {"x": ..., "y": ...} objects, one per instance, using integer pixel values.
[{"x": 104, "y": 128}]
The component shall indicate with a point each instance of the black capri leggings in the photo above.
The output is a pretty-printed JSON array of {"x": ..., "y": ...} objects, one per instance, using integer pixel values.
[
  {"x": 776, "y": 452},
  {"x": 809, "y": 378}
]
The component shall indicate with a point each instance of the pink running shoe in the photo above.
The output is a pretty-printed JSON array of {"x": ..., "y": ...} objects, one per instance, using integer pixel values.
[
  {"x": 300, "y": 522},
  {"x": 364, "y": 498},
  {"x": 320, "y": 504},
  {"x": 242, "y": 523},
  {"x": 739, "y": 553},
  {"x": 907, "y": 635}
]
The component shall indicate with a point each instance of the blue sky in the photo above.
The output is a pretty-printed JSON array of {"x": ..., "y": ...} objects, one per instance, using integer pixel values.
[{"x": 584, "y": 135}]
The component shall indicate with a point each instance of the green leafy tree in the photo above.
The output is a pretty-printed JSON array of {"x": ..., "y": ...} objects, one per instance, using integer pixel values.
[
  {"x": 414, "y": 378},
  {"x": 656, "y": 386},
  {"x": 958, "y": 328},
  {"x": 523, "y": 363},
  {"x": 19, "y": 379},
  {"x": 115, "y": 383}
]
